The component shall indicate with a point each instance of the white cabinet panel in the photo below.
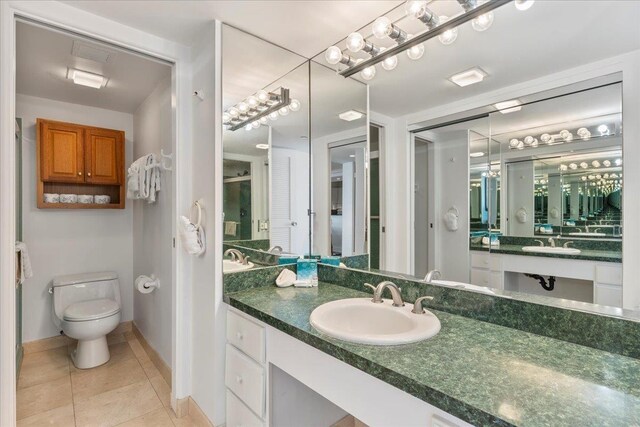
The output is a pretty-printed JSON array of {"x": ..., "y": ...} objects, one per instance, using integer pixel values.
[
  {"x": 609, "y": 274},
  {"x": 238, "y": 415},
  {"x": 246, "y": 379},
  {"x": 246, "y": 335},
  {"x": 610, "y": 295}
]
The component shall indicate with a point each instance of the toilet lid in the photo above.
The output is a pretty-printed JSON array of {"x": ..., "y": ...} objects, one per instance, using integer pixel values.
[{"x": 91, "y": 310}]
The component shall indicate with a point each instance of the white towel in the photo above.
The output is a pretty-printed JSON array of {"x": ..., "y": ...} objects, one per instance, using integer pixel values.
[
  {"x": 143, "y": 179},
  {"x": 192, "y": 236},
  {"x": 230, "y": 228},
  {"x": 25, "y": 271}
]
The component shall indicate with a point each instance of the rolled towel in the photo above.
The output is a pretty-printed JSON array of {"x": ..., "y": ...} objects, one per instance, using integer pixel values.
[{"x": 25, "y": 271}]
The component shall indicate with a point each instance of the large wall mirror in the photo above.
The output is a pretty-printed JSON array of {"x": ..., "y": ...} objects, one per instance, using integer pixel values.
[{"x": 489, "y": 158}]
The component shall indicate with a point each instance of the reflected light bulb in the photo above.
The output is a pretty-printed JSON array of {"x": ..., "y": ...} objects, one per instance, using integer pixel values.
[
  {"x": 283, "y": 111},
  {"x": 226, "y": 117},
  {"x": 603, "y": 129},
  {"x": 566, "y": 135},
  {"x": 243, "y": 107},
  {"x": 584, "y": 133},
  {"x": 368, "y": 73},
  {"x": 262, "y": 96},
  {"x": 595, "y": 164},
  {"x": 273, "y": 116},
  {"x": 584, "y": 165},
  {"x": 416, "y": 52},
  {"x": 390, "y": 63},
  {"x": 513, "y": 143},
  {"x": 524, "y": 4},
  {"x": 606, "y": 163},
  {"x": 546, "y": 138},
  {"x": 382, "y": 27},
  {"x": 618, "y": 162},
  {"x": 414, "y": 7},
  {"x": 528, "y": 140},
  {"x": 252, "y": 101},
  {"x": 264, "y": 120},
  {"x": 333, "y": 55},
  {"x": 294, "y": 105},
  {"x": 355, "y": 42},
  {"x": 255, "y": 124},
  {"x": 448, "y": 36},
  {"x": 482, "y": 22},
  {"x": 573, "y": 166},
  {"x": 233, "y": 112},
  {"x": 563, "y": 167},
  {"x": 248, "y": 127}
]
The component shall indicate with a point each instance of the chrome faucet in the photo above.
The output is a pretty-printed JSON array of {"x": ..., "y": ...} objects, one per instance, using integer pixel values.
[
  {"x": 417, "y": 306},
  {"x": 378, "y": 290},
  {"x": 566, "y": 245},
  {"x": 236, "y": 255},
  {"x": 539, "y": 241},
  {"x": 277, "y": 248},
  {"x": 432, "y": 275},
  {"x": 552, "y": 241}
]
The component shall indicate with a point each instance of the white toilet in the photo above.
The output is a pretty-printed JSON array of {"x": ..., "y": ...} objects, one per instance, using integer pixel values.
[{"x": 87, "y": 307}]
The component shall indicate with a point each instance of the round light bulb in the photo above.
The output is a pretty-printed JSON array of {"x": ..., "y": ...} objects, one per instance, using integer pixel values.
[
  {"x": 534, "y": 143},
  {"x": 368, "y": 73},
  {"x": 528, "y": 140},
  {"x": 264, "y": 120},
  {"x": 584, "y": 165},
  {"x": 355, "y": 42},
  {"x": 243, "y": 107},
  {"x": 584, "y": 178},
  {"x": 390, "y": 63},
  {"x": 584, "y": 133},
  {"x": 546, "y": 138},
  {"x": 573, "y": 166},
  {"x": 482, "y": 22},
  {"x": 382, "y": 27},
  {"x": 513, "y": 143},
  {"x": 618, "y": 162},
  {"x": 226, "y": 117},
  {"x": 252, "y": 101},
  {"x": 563, "y": 167},
  {"x": 606, "y": 163},
  {"x": 294, "y": 105},
  {"x": 233, "y": 112},
  {"x": 416, "y": 52},
  {"x": 262, "y": 96},
  {"x": 448, "y": 36},
  {"x": 283, "y": 111},
  {"x": 273, "y": 116},
  {"x": 333, "y": 55},
  {"x": 248, "y": 127},
  {"x": 255, "y": 124},
  {"x": 566, "y": 135},
  {"x": 603, "y": 129},
  {"x": 414, "y": 7},
  {"x": 595, "y": 164},
  {"x": 524, "y": 4}
]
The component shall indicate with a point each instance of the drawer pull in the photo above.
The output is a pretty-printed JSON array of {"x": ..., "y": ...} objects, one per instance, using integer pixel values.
[
  {"x": 239, "y": 379},
  {"x": 79, "y": 173},
  {"x": 239, "y": 335}
]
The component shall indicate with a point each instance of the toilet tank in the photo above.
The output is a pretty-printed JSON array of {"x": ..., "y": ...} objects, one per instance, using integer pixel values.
[{"x": 83, "y": 287}]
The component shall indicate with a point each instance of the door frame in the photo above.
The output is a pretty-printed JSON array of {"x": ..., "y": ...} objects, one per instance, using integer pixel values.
[{"x": 64, "y": 17}]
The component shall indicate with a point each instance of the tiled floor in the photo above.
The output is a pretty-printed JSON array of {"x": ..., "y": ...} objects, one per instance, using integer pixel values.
[{"x": 127, "y": 391}]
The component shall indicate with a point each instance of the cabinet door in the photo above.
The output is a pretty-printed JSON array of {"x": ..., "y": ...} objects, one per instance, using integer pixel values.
[
  {"x": 61, "y": 152},
  {"x": 104, "y": 156}
]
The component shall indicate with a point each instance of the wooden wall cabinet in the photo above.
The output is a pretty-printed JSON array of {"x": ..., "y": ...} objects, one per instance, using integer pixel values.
[{"x": 77, "y": 159}]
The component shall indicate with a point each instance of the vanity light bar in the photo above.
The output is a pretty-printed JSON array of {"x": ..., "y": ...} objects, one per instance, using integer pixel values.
[
  {"x": 273, "y": 102},
  {"x": 427, "y": 35},
  {"x": 563, "y": 136}
]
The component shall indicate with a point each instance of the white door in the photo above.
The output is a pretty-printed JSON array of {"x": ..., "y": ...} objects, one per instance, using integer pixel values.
[{"x": 289, "y": 200}]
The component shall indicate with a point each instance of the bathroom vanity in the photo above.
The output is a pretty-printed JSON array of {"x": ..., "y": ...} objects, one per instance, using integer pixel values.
[{"x": 471, "y": 373}]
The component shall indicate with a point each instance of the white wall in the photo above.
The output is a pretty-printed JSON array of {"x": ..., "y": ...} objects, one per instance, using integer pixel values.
[
  {"x": 152, "y": 223},
  {"x": 207, "y": 310},
  {"x": 70, "y": 241}
]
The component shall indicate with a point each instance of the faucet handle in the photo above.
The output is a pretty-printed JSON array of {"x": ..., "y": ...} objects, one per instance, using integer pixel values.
[
  {"x": 245, "y": 260},
  {"x": 566, "y": 245},
  {"x": 417, "y": 306},
  {"x": 369, "y": 285}
]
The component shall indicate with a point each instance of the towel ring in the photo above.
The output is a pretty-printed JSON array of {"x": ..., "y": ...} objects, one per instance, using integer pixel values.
[{"x": 197, "y": 205}]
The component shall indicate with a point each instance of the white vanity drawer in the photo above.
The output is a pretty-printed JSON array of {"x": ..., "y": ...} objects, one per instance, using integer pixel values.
[
  {"x": 238, "y": 415},
  {"x": 246, "y": 379},
  {"x": 610, "y": 295},
  {"x": 611, "y": 275},
  {"x": 480, "y": 260},
  {"x": 246, "y": 335},
  {"x": 495, "y": 279},
  {"x": 480, "y": 277}
]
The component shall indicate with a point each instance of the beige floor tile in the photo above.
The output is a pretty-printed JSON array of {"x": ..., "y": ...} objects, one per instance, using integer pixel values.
[
  {"x": 157, "y": 418},
  {"x": 43, "y": 366},
  {"x": 58, "y": 417},
  {"x": 118, "y": 353},
  {"x": 115, "y": 339},
  {"x": 117, "y": 406},
  {"x": 130, "y": 336},
  {"x": 46, "y": 344},
  {"x": 138, "y": 350},
  {"x": 43, "y": 397},
  {"x": 110, "y": 376},
  {"x": 150, "y": 369},
  {"x": 162, "y": 390}
]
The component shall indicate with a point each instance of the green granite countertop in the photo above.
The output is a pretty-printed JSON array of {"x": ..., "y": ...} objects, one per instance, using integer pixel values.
[
  {"x": 586, "y": 254},
  {"x": 482, "y": 373}
]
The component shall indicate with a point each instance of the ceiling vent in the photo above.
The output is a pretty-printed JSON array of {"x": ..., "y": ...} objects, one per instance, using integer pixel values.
[{"x": 92, "y": 53}]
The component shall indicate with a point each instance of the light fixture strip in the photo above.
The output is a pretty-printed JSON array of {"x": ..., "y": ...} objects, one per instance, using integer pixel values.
[
  {"x": 284, "y": 101},
  {"x": 429, "y": 34}
]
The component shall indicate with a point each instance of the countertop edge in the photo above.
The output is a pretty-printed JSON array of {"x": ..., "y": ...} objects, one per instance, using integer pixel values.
[
  {"x": 498, "y": 250},
  {"x": 454, "y": 407}
]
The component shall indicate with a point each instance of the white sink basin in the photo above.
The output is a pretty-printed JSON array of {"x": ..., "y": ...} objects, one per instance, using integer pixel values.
[
  {"x": 359, "y": 320},
  {"x": 229, "y": 266},
  {"x": 587, "y": 234},
  {"x": 461, "y": 285},
  {"x": 551, "y": 250}
]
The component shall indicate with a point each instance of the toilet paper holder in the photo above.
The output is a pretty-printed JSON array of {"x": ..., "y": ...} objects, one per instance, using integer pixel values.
[{"x": 146, "y": 284}]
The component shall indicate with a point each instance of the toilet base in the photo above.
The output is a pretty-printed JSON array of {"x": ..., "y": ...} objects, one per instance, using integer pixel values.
[{"x": 91, "y": 353}]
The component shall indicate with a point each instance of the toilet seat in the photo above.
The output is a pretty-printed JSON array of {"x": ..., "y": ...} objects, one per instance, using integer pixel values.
[{"x": 91, "y": 310}]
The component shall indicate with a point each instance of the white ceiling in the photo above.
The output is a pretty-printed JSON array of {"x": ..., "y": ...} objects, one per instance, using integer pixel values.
[
  {"x": 305, "y": 27},
  {"x": 43, "y": 57},
  {"x": 520, "y": 46}
]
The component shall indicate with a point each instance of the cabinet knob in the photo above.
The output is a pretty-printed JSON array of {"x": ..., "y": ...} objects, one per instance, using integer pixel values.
[
  {"x": 239, "y": 335},
  {"x": 239, "y": 379},
  {"x": 89, "y": 174},
  {"x": 79, "y": 173}
]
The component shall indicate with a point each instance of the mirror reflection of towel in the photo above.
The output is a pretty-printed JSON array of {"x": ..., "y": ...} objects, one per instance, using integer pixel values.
[
  {"x": 230, "y": 228},
  {"x": 24, "y": 262}
]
